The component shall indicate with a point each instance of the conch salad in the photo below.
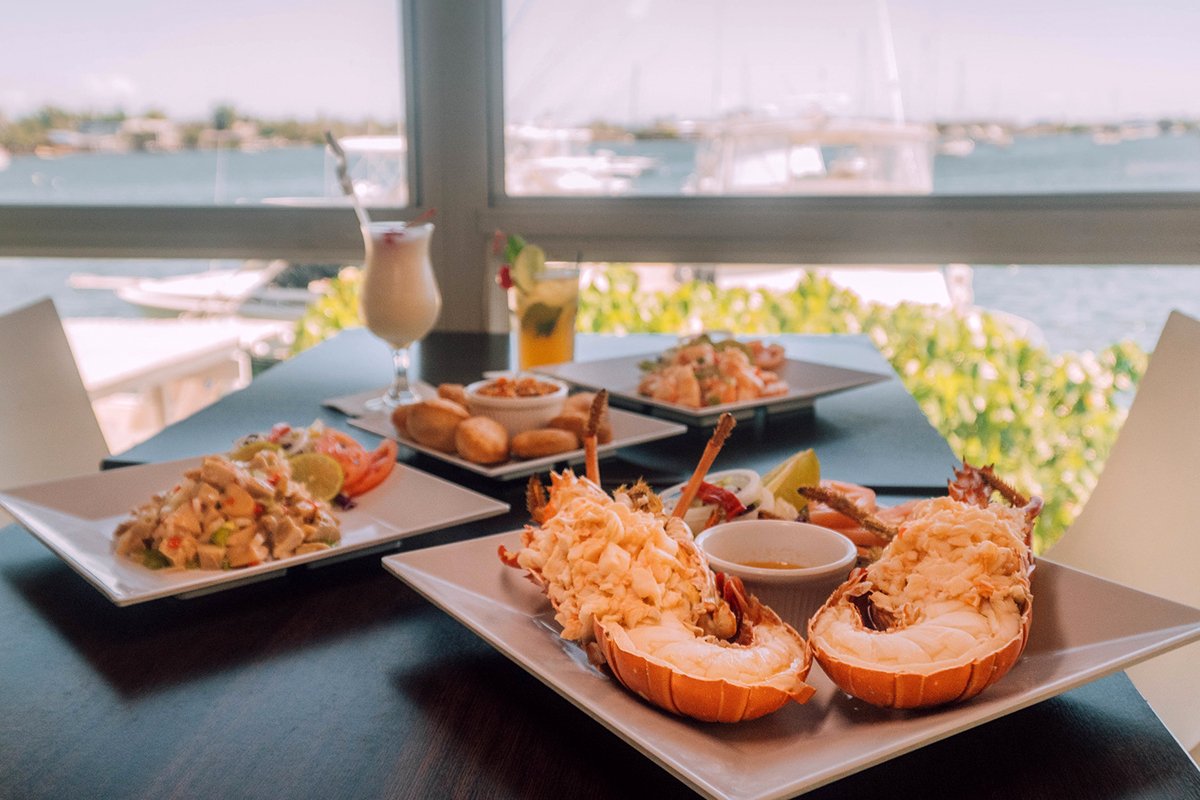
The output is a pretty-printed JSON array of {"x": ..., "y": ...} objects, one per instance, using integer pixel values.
[
  {"x": 955, "y": 569},
  {"x": 615, "y": 560},
  {"x": 228, "y": 514}
]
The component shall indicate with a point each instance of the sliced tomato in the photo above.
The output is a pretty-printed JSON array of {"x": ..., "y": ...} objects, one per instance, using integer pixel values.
[
  {"x": 346, "y": 450},
  {"x": 382, "y": 461}
]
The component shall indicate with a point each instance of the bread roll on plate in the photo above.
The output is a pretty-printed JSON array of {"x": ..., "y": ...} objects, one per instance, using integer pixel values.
[
  {"x": 481, "y": 440},
  {"x": 433, "y": 422},
  {"x": 576, "y": 422},
  {"x": 541, "y": 442}
]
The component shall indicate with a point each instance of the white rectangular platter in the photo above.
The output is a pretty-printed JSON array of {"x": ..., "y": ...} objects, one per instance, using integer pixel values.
[
  {"x": 807, "y": 381},
  {"x": 76, "y": 518},
  {"x": 628, "y": 429},
  {"x": 1084, "y": 628}
]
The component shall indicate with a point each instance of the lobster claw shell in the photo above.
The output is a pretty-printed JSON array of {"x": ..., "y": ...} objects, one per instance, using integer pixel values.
[{"x": 912, "y": 687}]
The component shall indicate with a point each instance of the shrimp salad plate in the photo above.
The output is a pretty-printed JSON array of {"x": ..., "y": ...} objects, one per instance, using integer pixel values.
[
  {"x": 800, "y": 385},
  {"x": 77, "y": 518},
  {"x": 1088, "y": 628}
]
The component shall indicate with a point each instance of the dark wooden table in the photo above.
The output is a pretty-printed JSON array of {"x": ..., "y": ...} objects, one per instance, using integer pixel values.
[{"x": 341, "y": 682}]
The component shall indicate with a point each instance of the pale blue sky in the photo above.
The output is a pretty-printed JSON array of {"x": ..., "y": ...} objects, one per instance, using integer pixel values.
[{"x": 572, "y": 61}]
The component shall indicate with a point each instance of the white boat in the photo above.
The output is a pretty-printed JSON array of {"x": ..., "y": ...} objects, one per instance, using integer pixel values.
[
  {"x": 542, "y": 160},
  {"x": 216, "y": 293},
  {"x": 812, "y": 154},
  {"x": 244, "y": 292}
]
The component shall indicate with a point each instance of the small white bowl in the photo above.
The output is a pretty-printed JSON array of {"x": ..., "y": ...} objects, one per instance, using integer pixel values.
[
  {"x": 745, "y": 483},
  {"x": 824, "y": 556},
  {"x": 518, "y": 414}
]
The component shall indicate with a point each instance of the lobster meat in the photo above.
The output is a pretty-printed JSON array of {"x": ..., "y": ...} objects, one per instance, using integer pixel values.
[
  {"x": 945, "y": 610},
  {"x": 628, "y": 583}
]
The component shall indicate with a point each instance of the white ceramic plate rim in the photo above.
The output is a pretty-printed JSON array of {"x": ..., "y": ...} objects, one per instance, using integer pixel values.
[
  {"x": 588, "y": 374},
  {"x": 75, "y": 518}
]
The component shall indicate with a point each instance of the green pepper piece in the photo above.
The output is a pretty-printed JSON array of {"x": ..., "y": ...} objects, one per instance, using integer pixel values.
[
  {"x": 155, "y": 560},
  {"x": 221, "y": 535}
]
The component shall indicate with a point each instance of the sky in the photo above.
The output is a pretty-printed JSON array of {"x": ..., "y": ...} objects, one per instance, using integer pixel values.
[{"x": 624, "y": 61}]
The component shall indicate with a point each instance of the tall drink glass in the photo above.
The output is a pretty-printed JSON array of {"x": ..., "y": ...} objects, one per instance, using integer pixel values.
[
  {"x": 400, "y": 300},
  {"x": 544, "y": 316}
]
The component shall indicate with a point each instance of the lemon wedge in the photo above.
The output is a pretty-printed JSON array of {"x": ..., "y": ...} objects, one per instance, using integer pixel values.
[
  {"x": 321, "y": 474},
  {"x": 802, "y": 469}
]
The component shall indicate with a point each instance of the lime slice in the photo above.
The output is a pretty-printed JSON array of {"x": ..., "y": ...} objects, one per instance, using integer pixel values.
[
  {"x": 802, "y": 469},
  {"x": 527, "y": 266},
  {"x": 246, "y": 451},
  {"x": 321, "y": 474}
]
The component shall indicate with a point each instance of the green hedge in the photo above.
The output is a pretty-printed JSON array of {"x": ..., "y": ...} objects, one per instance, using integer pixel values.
[{"x": 1046, "y": 421}]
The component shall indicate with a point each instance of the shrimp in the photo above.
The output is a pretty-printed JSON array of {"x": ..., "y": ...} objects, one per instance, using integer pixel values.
[
  {"x": 944, "y": 612},
  {"x": 676, "y": 384},
  {"x": 700, "y": 373},
  {"x": 820, "y": 513},
  {"x": 767, "y": 356}
]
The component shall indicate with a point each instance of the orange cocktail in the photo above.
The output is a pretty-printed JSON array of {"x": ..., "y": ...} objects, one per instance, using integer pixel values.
[{"x": 544, "y": 316}]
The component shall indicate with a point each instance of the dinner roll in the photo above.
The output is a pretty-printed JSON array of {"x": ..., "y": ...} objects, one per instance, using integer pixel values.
[
  {"x": 400, "y": 418},
  {"x": 453, "y": 391},
  {"x": 576, "y": 423},
  {"x": 481, "y": 440},
  {"x": 541, "y": 442},
  {"x": 432, "y": 423}
]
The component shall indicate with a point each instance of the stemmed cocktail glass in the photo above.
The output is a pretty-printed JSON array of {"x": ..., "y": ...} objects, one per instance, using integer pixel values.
[{"x": 400, "y": 300}]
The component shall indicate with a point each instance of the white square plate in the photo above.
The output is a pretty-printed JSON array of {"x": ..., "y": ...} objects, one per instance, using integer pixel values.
[
  {"x": 1083, "y": 629},
  {"x": 76, "y": 518},
  {"x": 628, "y": 429},
  {"x": 807, "y": 381}
]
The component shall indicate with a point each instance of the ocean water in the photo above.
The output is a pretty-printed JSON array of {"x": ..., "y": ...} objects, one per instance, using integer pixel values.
[{"x": 1075, "y": 307}]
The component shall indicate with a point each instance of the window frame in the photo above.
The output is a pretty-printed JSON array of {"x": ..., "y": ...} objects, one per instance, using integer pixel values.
[{"x": 453, "y": 59}]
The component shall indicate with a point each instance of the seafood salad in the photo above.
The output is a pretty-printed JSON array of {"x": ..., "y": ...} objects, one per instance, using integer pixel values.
[
  {"x": 701, "y": 372},
  {"x": 630, "y": 585},
  {"x": 228, "y": 514},
  {"x": 946, "y": 609}
]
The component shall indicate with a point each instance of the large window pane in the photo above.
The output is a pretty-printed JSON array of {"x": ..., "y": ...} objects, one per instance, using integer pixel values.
[
  {"x": 863, "y": 97},
  {"x": 136, "y": 103}
]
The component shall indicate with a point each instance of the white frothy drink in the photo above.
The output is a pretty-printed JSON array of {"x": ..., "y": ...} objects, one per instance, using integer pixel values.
[{"x": 400, "y": 300}]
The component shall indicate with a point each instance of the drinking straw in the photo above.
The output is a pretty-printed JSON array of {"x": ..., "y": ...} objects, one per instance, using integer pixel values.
[{"x": 343, "y": 175}]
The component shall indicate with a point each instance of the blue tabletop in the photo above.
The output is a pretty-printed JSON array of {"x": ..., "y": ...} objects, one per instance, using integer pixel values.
[{"x": 875, "y": 435}]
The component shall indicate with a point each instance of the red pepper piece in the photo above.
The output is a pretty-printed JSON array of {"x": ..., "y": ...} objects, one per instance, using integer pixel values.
[{"x": 712, "y": 494}]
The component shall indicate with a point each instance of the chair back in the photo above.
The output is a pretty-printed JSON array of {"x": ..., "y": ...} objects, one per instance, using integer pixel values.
[
  {"x": 47, "y": 427},
  {"x": 1141, "y": 525}
]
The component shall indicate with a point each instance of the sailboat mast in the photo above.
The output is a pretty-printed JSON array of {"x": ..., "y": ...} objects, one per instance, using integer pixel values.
[{"x": 889, "y": 62}]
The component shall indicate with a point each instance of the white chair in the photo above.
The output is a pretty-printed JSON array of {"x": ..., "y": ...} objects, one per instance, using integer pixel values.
[
  {"x": 47, "y": 427},
  {"x": 1141, "y": 526}
]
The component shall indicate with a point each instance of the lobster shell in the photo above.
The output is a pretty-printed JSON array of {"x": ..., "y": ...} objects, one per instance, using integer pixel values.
[
  {"x": 705, "y": 699},
  {"x": 909, "y": 687}
]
